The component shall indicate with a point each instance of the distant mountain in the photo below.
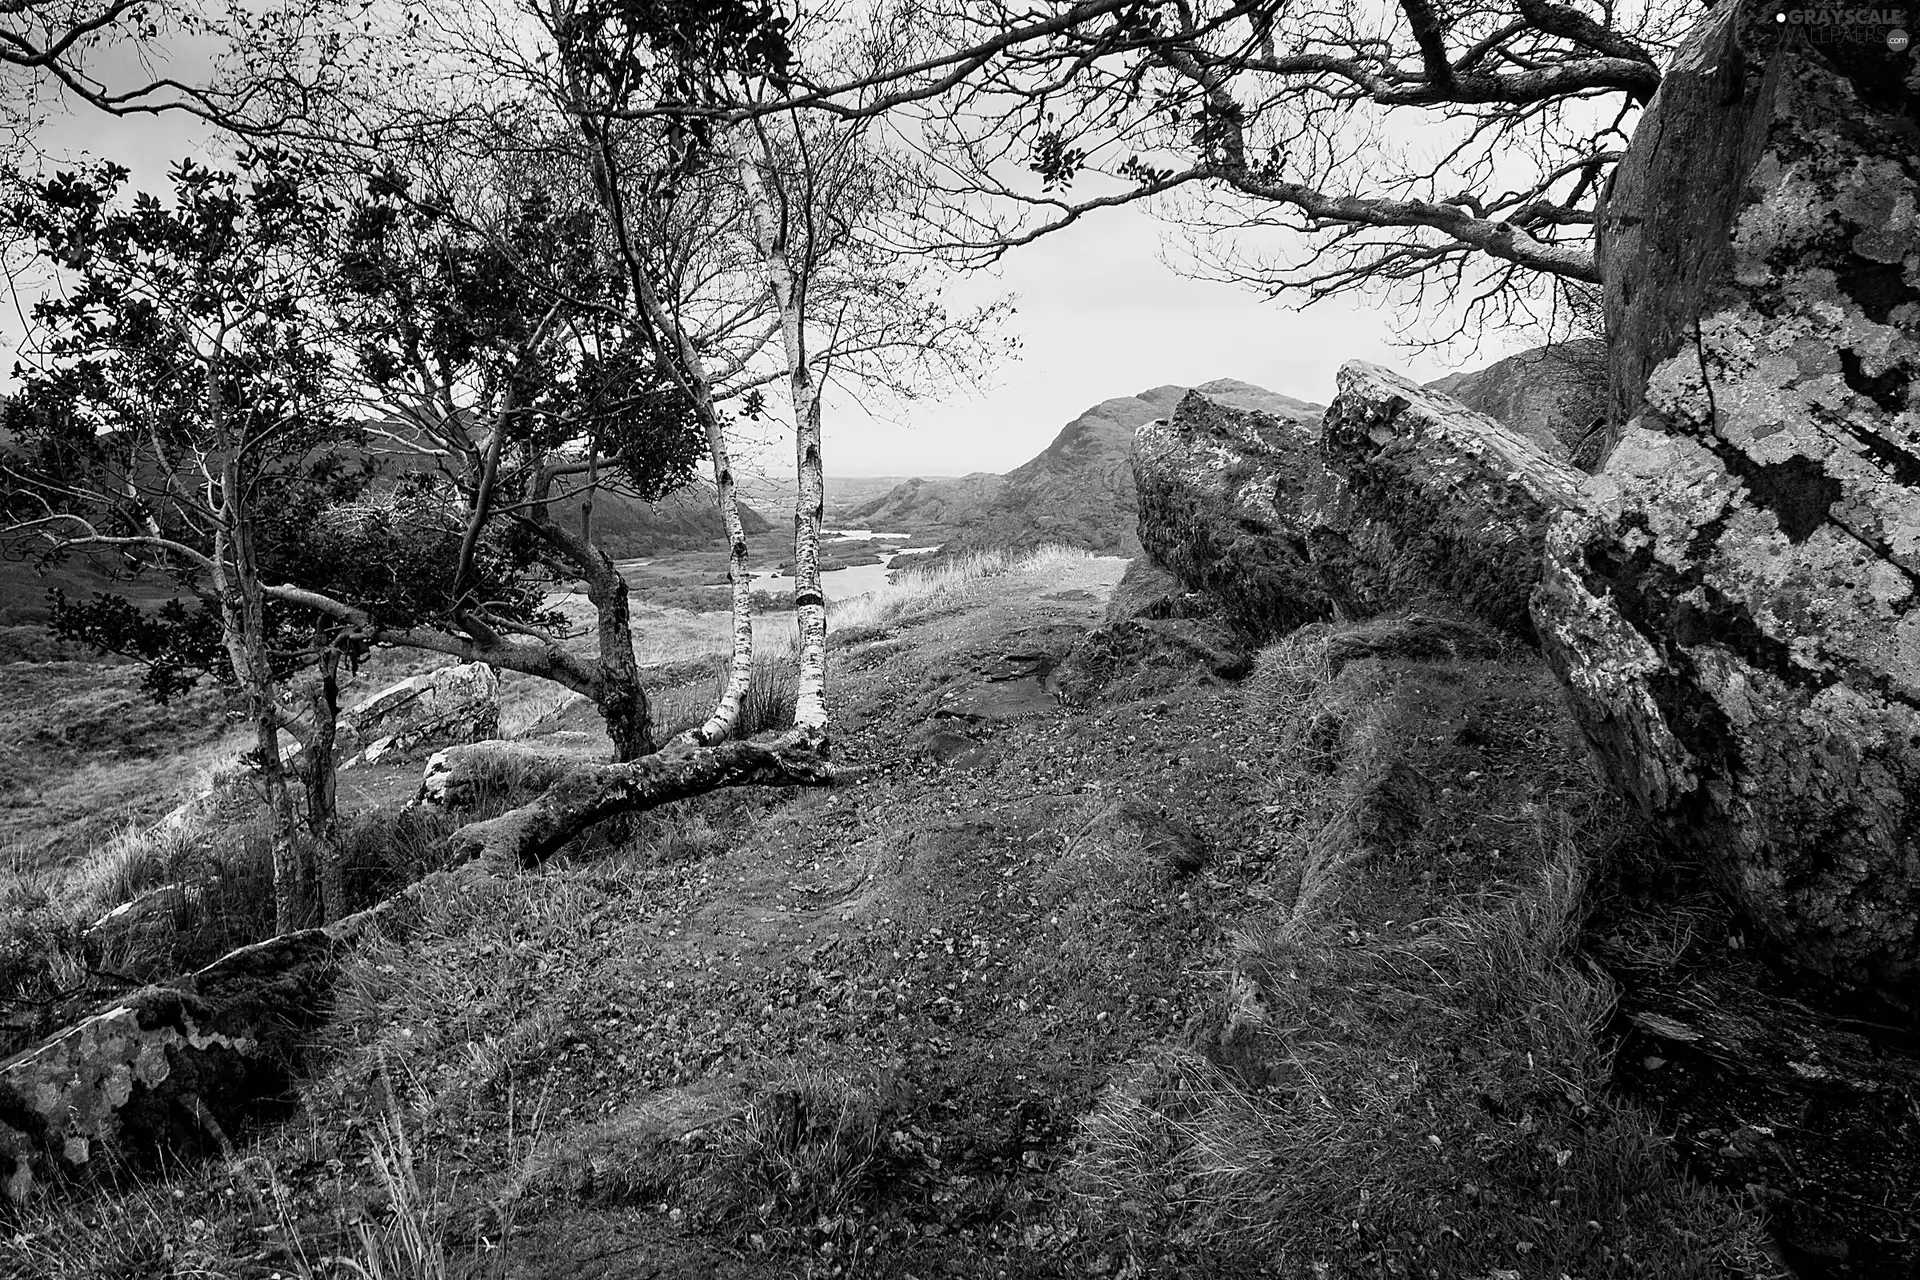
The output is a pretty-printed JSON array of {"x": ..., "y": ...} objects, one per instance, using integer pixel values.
[
  {"x": 1078, "y": 490},
  {"x": 687, "y": 519},
  {"x": 1551, "y": 395},
  {"x": 847, "y": 496},
  {"x": 939, "y": 506}
]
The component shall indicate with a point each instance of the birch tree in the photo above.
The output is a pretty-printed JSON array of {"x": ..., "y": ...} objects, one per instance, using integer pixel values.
[{"x": 791, "y": 261}]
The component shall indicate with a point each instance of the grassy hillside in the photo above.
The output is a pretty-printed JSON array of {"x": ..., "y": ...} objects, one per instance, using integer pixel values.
[
  {"x": 685, "y": 520},
  {"x": 936, "y": 507},
  {"x": 24, "y": 585},
  {"x": 1273, "y": 978}
]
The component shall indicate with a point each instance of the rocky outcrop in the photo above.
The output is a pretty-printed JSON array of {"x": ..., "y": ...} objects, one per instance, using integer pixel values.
[
  {"x": 1735, "y": 611},
  {"x": 1397, "y": 495},
  {"x": 442, "y": 708},
  {"x": 1078, "y": 491},
  {"x": 193, "y": 1056},
  {"x": 1231, "y": 502},
  {"x": 1453, "y": 504}
]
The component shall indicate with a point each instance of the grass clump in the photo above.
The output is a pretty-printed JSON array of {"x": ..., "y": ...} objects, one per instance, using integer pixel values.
[
  {"x": 765, "y": 707},
  {"x": 1431, "y": 1105},
  {"x": 800, "y": 1162},
  {"x": 1403, "y": 1071}
]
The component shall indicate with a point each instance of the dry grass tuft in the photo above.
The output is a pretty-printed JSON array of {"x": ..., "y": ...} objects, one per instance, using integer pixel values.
[
  {"x": 917, "y": 592},
  {"x": 1438, "y": 1101},
  {"x": 799, "y": 1163}
]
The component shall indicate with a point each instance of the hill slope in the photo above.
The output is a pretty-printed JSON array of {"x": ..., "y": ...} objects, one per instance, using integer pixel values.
[
  {"x": 1550, "y": 394},
  {"x": 685, "y": 520},
  {"x": 928, "y": 505},
  {"x": 1078, "y": 490},
  {"x": 1144, "y": 990}
]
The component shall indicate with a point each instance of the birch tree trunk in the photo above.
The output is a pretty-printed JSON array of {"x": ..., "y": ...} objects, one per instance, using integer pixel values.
[
  {"x": 684, "y": 364},
  {"x": 770, "y": 226},
  {"x": 689, "y": 369}
]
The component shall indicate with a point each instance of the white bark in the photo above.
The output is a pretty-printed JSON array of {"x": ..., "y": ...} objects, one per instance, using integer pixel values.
[
  {"x": 768, "y": 222},
  {"x": 690, "y": 371}
]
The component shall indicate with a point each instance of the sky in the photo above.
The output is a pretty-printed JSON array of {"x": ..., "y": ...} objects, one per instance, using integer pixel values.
[{"x": 1098, "y": 314}]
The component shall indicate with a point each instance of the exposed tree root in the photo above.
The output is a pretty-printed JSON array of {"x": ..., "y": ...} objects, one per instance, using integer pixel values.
[{"x": 580, "y": 794}]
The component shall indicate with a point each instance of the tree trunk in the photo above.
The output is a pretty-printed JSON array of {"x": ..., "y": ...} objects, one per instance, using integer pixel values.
[
  {"x": 322, "y": 787},
  {"x": 770, "y": 234},
  {"x": 726, "y": 713},
  {"x": 621, "y": 699},
  {"x": 244, "y": 632},
  {"x": 614, "y": 684}
]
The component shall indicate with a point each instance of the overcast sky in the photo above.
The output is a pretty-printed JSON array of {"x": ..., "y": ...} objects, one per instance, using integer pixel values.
[{"x": 1098, "y": 316}]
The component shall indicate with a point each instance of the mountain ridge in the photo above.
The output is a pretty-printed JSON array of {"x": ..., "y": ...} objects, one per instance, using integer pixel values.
[{"x": 1078, "y": 490}]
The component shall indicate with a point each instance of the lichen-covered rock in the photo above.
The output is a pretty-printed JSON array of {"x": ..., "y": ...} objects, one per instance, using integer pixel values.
[
  {"x": 1400, "y": 495},
  {"x": 190, "y": 1056},
  {"x": 1455, "y": 505},
  {"x": 1735, "y": 610},
  {"x": 1231, "y": 502},
  {"x": 444, "y": 707},
  {"x": 76, "y": 1090}
]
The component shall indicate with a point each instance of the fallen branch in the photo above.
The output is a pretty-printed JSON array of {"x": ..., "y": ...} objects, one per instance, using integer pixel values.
[{"x": 580, "y": 793}]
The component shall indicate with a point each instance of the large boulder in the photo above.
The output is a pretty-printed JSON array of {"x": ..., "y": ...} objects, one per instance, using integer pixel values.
[
  {"x": 1231, "y": 501},
  {"x": 442, "y": 708},
  {"x": 1399, "y": 495},
  {"x": 1734, "y": 609},
  {"x": 1455, "y": 504}
]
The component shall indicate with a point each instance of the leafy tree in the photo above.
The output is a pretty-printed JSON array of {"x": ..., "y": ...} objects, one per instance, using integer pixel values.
[
  {"x": 504, "y": 356},
  {"x": 183, "y": 417},
  {"x": 181, "y": 362}
]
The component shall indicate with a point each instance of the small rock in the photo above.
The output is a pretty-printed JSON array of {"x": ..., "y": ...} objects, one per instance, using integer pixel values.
[{"x": 933, "y": 740}]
